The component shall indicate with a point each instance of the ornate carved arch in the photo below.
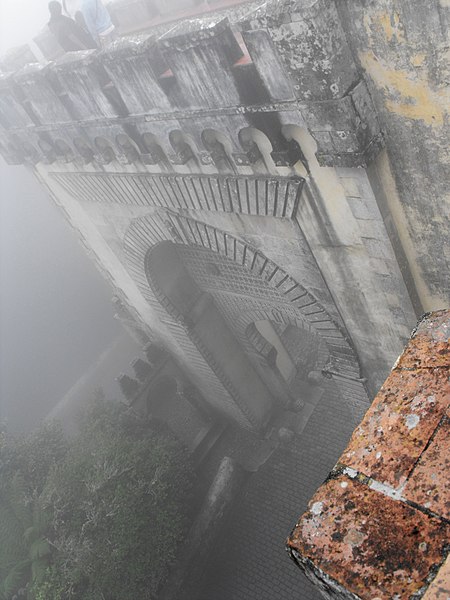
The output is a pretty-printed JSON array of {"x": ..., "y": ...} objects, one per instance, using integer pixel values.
[{"x": 144, "y": 232}]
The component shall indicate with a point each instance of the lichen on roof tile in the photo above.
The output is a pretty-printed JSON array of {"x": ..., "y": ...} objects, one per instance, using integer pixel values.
[
  {"x": 399, "y": 424},
  {"x": 378, "y": 528},
  {"x": 373, "y": 546},
  {"x": 429, "y": 345},
  {"x": 429, "y": 483},
  {"x": 440, "y": 587}
]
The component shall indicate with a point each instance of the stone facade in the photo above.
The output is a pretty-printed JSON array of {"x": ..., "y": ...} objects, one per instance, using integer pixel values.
[{"x": 245, "y": 171}]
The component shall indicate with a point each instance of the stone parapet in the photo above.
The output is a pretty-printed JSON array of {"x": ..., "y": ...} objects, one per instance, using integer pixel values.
[
  {"x": 379, "y": 527},
  {"x": 255, "y": 70}
]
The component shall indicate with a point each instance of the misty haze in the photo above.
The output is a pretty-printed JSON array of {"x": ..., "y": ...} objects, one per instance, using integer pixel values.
[{"x": 221, "y": 225}]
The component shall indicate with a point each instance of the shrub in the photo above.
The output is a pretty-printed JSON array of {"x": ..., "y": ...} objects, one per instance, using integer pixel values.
[{"x": 120, "y": 505}]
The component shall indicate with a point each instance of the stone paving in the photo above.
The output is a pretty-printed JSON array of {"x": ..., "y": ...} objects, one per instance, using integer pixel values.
[{"x": 250, "y": 561}]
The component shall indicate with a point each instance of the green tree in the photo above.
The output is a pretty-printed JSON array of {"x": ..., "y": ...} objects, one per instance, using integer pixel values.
[
  {"x": 120, "y": 506},
  {"x": 24, "y": 465}
]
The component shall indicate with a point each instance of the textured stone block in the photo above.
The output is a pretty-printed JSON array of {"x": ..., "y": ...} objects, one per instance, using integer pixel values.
[
  {"x": 429, "y": 483},
  {"x": 376, "y": 248},
  {"x": 378, "y": 528},
  {"x": 38, "y": 94},
  {"x": 361, "y": 209},
  {"x": 399, "y": 424},
  {"x": 440, "y": 588},
  {"x": 429, "y": 346},
  {"x": 368, "y": 543}
]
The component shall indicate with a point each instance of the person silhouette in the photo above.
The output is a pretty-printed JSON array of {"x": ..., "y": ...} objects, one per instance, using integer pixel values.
[
  {"x": 69, "y": 34},
  {"x": 98, "y": 21}
]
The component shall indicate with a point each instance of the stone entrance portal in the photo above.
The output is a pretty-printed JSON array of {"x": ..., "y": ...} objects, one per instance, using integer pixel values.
[
  {"x": 169, "y": 269},
  {"x": 240, "y": 323}
]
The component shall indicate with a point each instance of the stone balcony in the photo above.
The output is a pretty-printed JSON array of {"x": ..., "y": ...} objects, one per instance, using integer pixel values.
[
  {"x": 249, "y": 71},
  {"x": 379, "y": 527}
]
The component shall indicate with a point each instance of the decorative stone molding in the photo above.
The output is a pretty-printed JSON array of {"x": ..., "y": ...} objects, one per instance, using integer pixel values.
[
  {"x": 195, "y": 68},
  {"x": 266, "y": 196},
  {"x": 145, "y": 232}
]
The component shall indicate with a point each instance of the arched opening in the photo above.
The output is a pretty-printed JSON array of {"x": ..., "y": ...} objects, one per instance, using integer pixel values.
[
  {"x": 29, "y": 152},
  {"x": 105, "y": 151},
  {"x": 47, "y": 150},
  {"x": 219, "y": 146},
  {"x": 258, "y": 148},
  {"x": 154, "y": 154},
  {"x": 128, "y": 148},
  {"x": 184, "y": 149},
  {"x": 243, "y": 286},
  {"x": 84, "y": 150},
  {"x": 295, "y": 134},
  {"x": 281, "y": 345},
  {"x": 63, "y": 151},
  {"x": 187, "y": 299}
]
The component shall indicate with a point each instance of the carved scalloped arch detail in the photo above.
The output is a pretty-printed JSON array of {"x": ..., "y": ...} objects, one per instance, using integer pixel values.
[{"x": 145, "y": 232}]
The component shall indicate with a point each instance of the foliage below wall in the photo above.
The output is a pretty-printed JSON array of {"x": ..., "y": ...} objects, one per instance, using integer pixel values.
[{"x": 94, "y": 518}]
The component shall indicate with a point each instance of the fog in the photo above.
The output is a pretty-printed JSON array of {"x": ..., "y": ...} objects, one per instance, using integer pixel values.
[
  {"x": 56, "y": 318},
  {"x": 55, "y": 313},
  {"x": 20, "y": 20},
  {"x": 250, "y": 176}
]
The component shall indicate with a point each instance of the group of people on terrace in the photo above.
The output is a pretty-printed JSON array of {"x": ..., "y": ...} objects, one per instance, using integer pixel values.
[{"x": 91, "y": 26}]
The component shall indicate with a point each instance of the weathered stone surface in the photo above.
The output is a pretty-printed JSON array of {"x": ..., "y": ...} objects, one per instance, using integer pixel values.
[
  {"x": 135, "y": 65},
  {"x": 368, "y": 543},
  {"x": 312, "y": 47},
  {"x": 197, "y": 65},
  {"x": 429, "y": 483},
  {"x": 84, "y": 83},
  {"x": 38, "y": 96},
  {"x": 430, "y": 343},
  {"x": 399, "y": 424},
  {"x": 402, "y": 47},
  {"x": 379, "y": 528},
  {"x": 440, "y": 588}
]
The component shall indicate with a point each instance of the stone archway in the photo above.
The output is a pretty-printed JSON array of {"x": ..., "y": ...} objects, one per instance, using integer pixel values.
[
  {"x": 191, "y": 306},
  {"x": 289, "y": 297},
  {"x": 245, "y": 301}
]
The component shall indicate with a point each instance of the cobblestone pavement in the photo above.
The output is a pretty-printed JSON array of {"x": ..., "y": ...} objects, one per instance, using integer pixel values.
[{"x": 250, "y": 562}]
